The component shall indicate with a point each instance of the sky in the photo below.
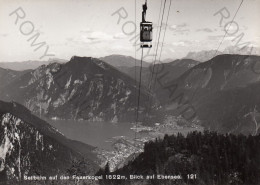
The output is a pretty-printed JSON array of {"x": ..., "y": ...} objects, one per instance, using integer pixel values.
[{"x": 91, "y": 27}]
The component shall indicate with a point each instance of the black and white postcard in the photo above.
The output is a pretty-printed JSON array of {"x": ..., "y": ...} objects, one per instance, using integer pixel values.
[{"x": 129, "y": 92}]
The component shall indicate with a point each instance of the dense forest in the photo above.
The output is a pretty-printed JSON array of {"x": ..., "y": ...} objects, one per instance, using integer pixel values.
[{"x": 199, "y": 158}]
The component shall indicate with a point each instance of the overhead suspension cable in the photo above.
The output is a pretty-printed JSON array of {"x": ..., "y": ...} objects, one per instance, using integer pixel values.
[
  {"x": 166, "y": 24},
  {"x": 158, "y": 23},
  {"x": 135, "y": 43},
  {"x": 156, "y": 44},
  {"x": 150, "y": 80},
  {"x": 139, "y": 87},
  {"x": 195, "y": 92},
  {"x": 138, "y": 99},
  {"x": 228, "y": 27},
  {"x": 135, "y": 58},
  {"x": 136, "y": 110}
]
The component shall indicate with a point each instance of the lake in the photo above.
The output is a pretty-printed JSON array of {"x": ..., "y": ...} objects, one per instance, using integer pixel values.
[{"x": 94, "y": 133}]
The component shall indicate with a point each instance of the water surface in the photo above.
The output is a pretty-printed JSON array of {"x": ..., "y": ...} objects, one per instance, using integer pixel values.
[{"x": 94, "y": 133}]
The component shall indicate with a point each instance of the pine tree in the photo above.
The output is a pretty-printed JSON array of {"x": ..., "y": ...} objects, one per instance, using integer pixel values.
[{"x": 107, "y": 169}]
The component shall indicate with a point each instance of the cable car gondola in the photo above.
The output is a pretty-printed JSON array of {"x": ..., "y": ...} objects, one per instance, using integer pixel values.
[{"x": 146, "y": 30}]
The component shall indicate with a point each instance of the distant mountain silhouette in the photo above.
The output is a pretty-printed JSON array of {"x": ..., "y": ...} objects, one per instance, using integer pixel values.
[
  {"x": 206, "y": 55},
  {"x": 123, "y": 61},
  {"x": 31, "y": 64},
  {"x": 169, "y": 71}
]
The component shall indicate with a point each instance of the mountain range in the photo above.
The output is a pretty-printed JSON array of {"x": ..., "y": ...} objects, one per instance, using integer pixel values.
[
  {"x": 83, "y": 88},
  {"x": 87, "y": 88},
  {"x": 222, "y": 91}
]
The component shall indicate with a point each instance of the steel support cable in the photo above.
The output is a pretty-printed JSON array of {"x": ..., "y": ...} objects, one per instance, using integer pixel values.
[
  {"x": 150, "y": 80},
  {"x": 228, "y": 28},
  {"x": 135, "y": 74},
  {"x": 139, "y": 95},
  {"x": 166, "y": 24},
  {"x": 151, "y": 76},
  {"x": 157, "y": 31},
  {"x": 193, "y": 95}
]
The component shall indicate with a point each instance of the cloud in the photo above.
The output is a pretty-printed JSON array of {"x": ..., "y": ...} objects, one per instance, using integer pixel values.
[
  {"x": 182, "y": 43},
  {"x": 172, "y": 50},
  {"x": 220, "y": 37},
  {"x": 119, "y": 36},
  {"x": 204, "y": 30},
  {"x": 4, "y": 35},
  {"x": 90, "y": 37},
  {"x": 171, "y": 27},
  {"x": 102, "y": 36},
  {"x": 215, "y": 37},
  {"x": 88, "y": 30},
  {"x": 180, "y": 28},
  {"x": 231, "y": 28}
]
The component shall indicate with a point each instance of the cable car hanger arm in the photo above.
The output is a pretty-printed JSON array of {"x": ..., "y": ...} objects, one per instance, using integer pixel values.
[{"x": 144, "y": 11}]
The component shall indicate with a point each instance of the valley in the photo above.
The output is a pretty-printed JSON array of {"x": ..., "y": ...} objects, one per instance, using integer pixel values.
[{"x": 116, "y": 143}]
